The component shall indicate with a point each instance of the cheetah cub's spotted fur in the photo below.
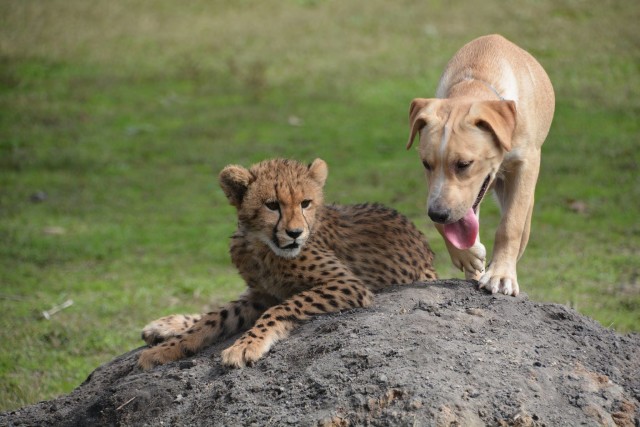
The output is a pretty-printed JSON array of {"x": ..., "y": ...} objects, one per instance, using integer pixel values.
[{"x": 298, "y": 257}]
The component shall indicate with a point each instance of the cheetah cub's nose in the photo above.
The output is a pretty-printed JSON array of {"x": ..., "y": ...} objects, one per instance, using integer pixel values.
[{"x": 295, "y": 233}]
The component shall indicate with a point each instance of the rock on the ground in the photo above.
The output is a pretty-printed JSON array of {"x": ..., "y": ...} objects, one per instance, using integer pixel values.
[{"x": 425, "y": 354}]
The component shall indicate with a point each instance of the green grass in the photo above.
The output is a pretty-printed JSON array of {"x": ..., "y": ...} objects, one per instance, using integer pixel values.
[{"x": 122, "y": 114}]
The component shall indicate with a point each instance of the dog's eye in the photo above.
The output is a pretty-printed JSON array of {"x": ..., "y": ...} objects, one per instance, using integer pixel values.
[
  {"x": 272, "y": 206},
  {"x": 462, "y": 165},
  {"x": 426, "y": 165},
  {"x": 305, "y": 204}
]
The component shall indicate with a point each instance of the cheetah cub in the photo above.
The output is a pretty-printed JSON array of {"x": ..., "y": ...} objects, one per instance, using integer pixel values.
[{"x": 299, "y": 258}]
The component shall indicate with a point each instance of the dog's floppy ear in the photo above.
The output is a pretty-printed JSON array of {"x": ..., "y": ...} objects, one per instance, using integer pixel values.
[
  {"x": 416, "y": 121},
  {"x": 234, "y": 181},
  {"x": 319, "y": 171},
  {"x": 496, "y": 117}
]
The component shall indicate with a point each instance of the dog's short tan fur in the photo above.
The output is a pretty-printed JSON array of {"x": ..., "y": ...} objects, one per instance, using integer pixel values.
[{"x": 492, "y": 113}]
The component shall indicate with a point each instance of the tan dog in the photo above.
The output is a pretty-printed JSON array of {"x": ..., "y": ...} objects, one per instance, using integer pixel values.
[{"x": 484, "y": 130}]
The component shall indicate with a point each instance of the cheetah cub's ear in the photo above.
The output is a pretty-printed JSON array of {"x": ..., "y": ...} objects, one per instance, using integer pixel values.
[
  {"x": 234, "y": 181},
  {"x": 318, "y": 171}
]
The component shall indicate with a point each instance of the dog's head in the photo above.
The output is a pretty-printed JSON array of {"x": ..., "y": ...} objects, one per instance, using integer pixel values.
[{"x": 462, "y": 144}]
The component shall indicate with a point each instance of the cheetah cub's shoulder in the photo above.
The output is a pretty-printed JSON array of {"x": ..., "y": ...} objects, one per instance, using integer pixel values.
[{"x": 299, "y": 258}]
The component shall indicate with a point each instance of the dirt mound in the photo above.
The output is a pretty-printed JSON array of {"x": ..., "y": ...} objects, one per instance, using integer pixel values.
[{"x": 432, "y": 354}]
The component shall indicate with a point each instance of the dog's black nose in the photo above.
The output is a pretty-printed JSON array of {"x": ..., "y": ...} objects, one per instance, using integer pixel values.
[
  {"x": 439, "y": 216},
  {"x": 295, "y": 233}
]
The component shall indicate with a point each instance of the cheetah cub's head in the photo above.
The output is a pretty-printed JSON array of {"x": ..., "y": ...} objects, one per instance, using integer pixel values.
[{"x": 277, "y": 201}]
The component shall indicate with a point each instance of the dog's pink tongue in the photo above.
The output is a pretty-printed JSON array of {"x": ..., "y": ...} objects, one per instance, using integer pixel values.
[{"x": 462, "y": 234}]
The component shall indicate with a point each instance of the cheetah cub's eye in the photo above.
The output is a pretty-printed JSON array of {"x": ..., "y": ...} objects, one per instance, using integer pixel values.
[
  {"x": 305, "y": 204},
  {"x": 272, "y": 205}
]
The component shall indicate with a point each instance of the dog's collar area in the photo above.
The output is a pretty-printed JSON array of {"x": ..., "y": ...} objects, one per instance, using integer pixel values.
[
  {"x": 494, "y": 90},
  {"x": 488, "y": 85},
  {"x": 483, "y": 190}
]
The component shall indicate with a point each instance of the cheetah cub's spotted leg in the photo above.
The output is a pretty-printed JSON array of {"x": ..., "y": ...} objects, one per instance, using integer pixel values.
[
  {"x": 232, "y": 317},
  {"x": 276, "y": 323}
]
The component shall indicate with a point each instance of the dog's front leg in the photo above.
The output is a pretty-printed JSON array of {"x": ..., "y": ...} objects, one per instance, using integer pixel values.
[
  {"x": 471, "y": 260},
  {"x": 515, "y": 194}
]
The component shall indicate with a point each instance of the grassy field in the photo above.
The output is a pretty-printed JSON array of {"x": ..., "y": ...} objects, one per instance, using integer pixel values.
[{"x": 115, "y": 118}]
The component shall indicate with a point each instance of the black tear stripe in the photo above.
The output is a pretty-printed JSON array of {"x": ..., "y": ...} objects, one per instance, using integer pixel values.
[{"x": 275, "y": 230}]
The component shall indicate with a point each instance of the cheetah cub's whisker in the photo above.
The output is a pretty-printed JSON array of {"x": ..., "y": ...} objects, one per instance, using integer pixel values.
[{"x": 299, "y": 258}]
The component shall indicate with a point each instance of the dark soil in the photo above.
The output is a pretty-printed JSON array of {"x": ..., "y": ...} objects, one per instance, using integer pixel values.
[{"x": 437, "y": 354}]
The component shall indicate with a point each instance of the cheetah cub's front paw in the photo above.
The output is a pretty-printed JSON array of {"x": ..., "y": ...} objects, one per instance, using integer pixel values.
[
  {"x": 160, "y": 354},
  {"x": 244, "y": 352},
  {"x": 166, "y": 327}
]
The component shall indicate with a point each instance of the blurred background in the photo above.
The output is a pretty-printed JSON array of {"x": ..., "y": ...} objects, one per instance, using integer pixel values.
[{"x": 116, "y": 116}]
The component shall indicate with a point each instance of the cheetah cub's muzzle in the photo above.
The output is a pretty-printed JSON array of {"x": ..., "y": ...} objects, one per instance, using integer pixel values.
[{"x": 289, "y": 235}]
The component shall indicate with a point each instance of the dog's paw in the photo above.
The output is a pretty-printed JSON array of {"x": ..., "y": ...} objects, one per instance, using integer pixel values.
[
  {"x": 503, "y": 280},
  {"x": 244, "y": 352},
  {"x": 471, "y": 260}
]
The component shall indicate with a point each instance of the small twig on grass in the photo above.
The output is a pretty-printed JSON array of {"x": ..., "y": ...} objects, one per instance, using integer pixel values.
[
  {"x": 126, "y": 403},
  {"x": 56, "y": 308}
]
